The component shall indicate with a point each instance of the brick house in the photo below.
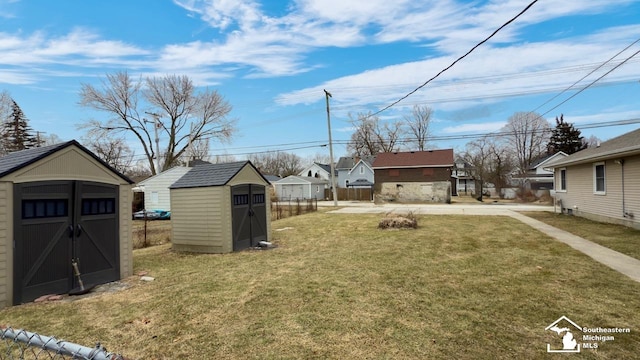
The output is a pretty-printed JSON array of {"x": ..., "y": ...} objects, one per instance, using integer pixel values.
[{"x": 414, "y": 176}]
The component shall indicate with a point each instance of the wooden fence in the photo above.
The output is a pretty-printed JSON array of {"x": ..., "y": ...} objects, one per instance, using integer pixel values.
[{"x": 356, "y": 194}]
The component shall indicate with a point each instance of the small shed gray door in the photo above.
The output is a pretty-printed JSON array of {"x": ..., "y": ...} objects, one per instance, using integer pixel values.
[
  {"x": 57, "y": 221},
  {"x": 249, "y": 215}
]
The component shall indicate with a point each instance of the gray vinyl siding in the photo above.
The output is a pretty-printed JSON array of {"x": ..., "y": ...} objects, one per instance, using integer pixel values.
[
  {"x": 201, "y": 219},
  {"x": 580, "y": 197}
]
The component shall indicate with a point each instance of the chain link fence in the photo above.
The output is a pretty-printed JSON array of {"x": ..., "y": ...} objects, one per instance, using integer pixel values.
[{"x": 24, "y": 345}]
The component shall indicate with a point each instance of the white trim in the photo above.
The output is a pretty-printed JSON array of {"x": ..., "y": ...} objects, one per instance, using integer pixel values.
[
  {"x": 559, "y": 184},
  {"x": 595, "y": 182}
]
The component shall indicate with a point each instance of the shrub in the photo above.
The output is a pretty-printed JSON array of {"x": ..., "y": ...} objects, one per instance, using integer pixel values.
[{"x": 397, "y": 221}]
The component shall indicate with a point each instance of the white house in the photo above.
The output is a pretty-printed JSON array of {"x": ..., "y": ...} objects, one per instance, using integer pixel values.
[
  {"x": 317, "y": 170},
  {"x": 156, "y": 188}
]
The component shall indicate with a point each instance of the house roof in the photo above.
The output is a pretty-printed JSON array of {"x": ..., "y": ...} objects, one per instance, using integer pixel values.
[
  {"x": 545, "y": 159},
  {"x": 623, "y": 145},
  {"x": 291, "y": 179},
  {"x": 19, "y": 159},
  {"x": 414, "y": 159},
  {"x": 176, "y": 171},
  {"x": 348, "y": 162},
  {"x": 360, "y": 182},
  {"x": 212, "y": 175},
  {"x": 272, "y": 178}
]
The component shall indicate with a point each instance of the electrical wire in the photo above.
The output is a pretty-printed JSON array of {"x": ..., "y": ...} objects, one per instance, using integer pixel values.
[{"x": 457, "y": 60}]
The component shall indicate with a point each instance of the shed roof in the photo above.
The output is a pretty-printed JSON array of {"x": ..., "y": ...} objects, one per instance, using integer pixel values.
[
  {"x": 212, "y": 175},
  {"x": 19, "y": 159},
  {"x": 296, "y": 179},
  {"x": 623, "y": 145},
  {"x": 414, "y": 159}
]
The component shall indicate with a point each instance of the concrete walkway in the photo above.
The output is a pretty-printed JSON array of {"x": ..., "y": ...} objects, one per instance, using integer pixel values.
[{"x": 617, "y": 261}]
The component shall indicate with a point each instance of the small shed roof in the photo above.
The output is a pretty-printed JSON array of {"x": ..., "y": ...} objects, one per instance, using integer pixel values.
[
  {"x": 19, "y": 159},
  {"x": 414, "y": 159},
  {"x": 212, "y": 175},
  {"x": 295, "y": 179}
]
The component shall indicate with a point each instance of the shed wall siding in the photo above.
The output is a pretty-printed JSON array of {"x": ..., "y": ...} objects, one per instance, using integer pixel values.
[
  {"x": 247, "y": 175},
  {"x": 580, "y": 197},
  {"x": 69, "y": 163},
  {"x": 201, "y": 217},
  {"x": 126, "y": 243}
]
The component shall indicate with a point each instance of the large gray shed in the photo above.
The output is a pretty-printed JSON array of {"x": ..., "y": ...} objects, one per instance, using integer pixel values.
[
  {"x": 220, "y": 208},
  {"x": 58, "y": 203}
]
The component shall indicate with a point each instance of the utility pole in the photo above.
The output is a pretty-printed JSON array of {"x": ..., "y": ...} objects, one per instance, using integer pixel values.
[
  {"x": 156, "y": 125},
  {"x": 327, "y": 95}
]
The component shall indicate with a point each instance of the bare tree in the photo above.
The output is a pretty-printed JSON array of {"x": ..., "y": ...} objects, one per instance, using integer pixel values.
[
  {"x": 591, "y": 141},
  {"x": 114, "y": 151},
  {"x": 277, "y": 163},
  {"x": 180, "y": 113},
  {"x": 491, "y": 162},
  {"x": 372, "y": 135},
  {"x": 527, "y": 135},
  {"x": 418, "y": 126}
]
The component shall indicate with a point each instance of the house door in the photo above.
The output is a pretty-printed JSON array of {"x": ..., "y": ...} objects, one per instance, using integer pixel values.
[
  {"x": 249, "y": 215},
  {"x": 55, "y": 222}
]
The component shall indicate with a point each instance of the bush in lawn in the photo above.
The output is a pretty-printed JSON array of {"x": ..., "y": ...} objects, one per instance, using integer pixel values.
[{"x": 397, "y": 221}]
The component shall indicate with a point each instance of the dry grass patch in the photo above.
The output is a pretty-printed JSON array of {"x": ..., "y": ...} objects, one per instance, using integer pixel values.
[
  {"x": 157, "y": 232},
  {"x": 616, "y": 237},
  {"x": 337, "y": 287},
  {"x": 398, "y": 221}
]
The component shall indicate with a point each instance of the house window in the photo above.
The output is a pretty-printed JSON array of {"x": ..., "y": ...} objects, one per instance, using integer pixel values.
[
  {"x": 154, "y": 197},
  {"x": 562, "y": 180},
  {"x": 599, "y": 179},
  {"x": 317, "y": 188},
  {"x": 361, "y": 169}
]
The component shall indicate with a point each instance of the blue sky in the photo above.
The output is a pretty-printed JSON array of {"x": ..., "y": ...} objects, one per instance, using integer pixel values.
[{"x": 272, "y": 59}]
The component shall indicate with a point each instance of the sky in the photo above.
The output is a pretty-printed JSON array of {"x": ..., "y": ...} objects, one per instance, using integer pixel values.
[{"x": 271, "y": 60}]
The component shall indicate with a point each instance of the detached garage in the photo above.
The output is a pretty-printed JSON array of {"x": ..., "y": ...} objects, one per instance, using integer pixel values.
[
  {"x": 61, "y": 203},
  {"x": 220, "y": 208}
]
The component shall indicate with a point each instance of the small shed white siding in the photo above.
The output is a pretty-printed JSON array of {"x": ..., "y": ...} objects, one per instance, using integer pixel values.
[
  {"x": 156, "y": 188},
  {"x": 300, "y": 187}
]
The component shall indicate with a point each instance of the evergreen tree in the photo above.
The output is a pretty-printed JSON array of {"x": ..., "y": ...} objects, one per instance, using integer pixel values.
[
  {"x": 565, "y": 138},
  {"x": 16, "y": 133}
]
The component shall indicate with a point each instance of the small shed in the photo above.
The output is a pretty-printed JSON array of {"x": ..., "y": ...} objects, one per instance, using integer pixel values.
[
  {"x": 300, "y": 187},
  {"x": 220, "y": 208},
  {"x": 59, "y": 203}
]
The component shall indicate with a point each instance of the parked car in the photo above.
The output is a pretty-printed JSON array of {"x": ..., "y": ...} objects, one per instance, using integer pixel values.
[{"x": 152, "y": 215}]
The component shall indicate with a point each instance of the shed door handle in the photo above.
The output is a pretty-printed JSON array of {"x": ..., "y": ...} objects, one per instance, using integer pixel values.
[
  {"x": 78, "y": 230},
  {"x": 70, "y": 230}
]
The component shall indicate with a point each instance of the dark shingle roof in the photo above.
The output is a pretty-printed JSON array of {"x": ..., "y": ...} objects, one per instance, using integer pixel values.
[
  {"x": 346, "y": 162},
  {"x": 211, "y": 175},
  {"x": 412, "y": 159},
  {"x": 17, "y": 160},
  {"x": 623, "y": 145}
]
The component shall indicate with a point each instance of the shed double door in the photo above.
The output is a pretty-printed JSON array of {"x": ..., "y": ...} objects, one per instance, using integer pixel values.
[
  {"x": 56, "y": 222},
  {"x": 249, "y": 215}
]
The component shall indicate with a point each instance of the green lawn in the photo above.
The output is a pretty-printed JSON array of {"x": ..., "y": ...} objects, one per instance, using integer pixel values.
[
  {"x": 336, "y": 287},
  {"x": 616, "y": 237}
]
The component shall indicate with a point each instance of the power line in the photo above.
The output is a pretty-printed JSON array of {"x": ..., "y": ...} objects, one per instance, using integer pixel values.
[
  {"x": 591, "y": 72},
  {"x": 457, "y": 60}
]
